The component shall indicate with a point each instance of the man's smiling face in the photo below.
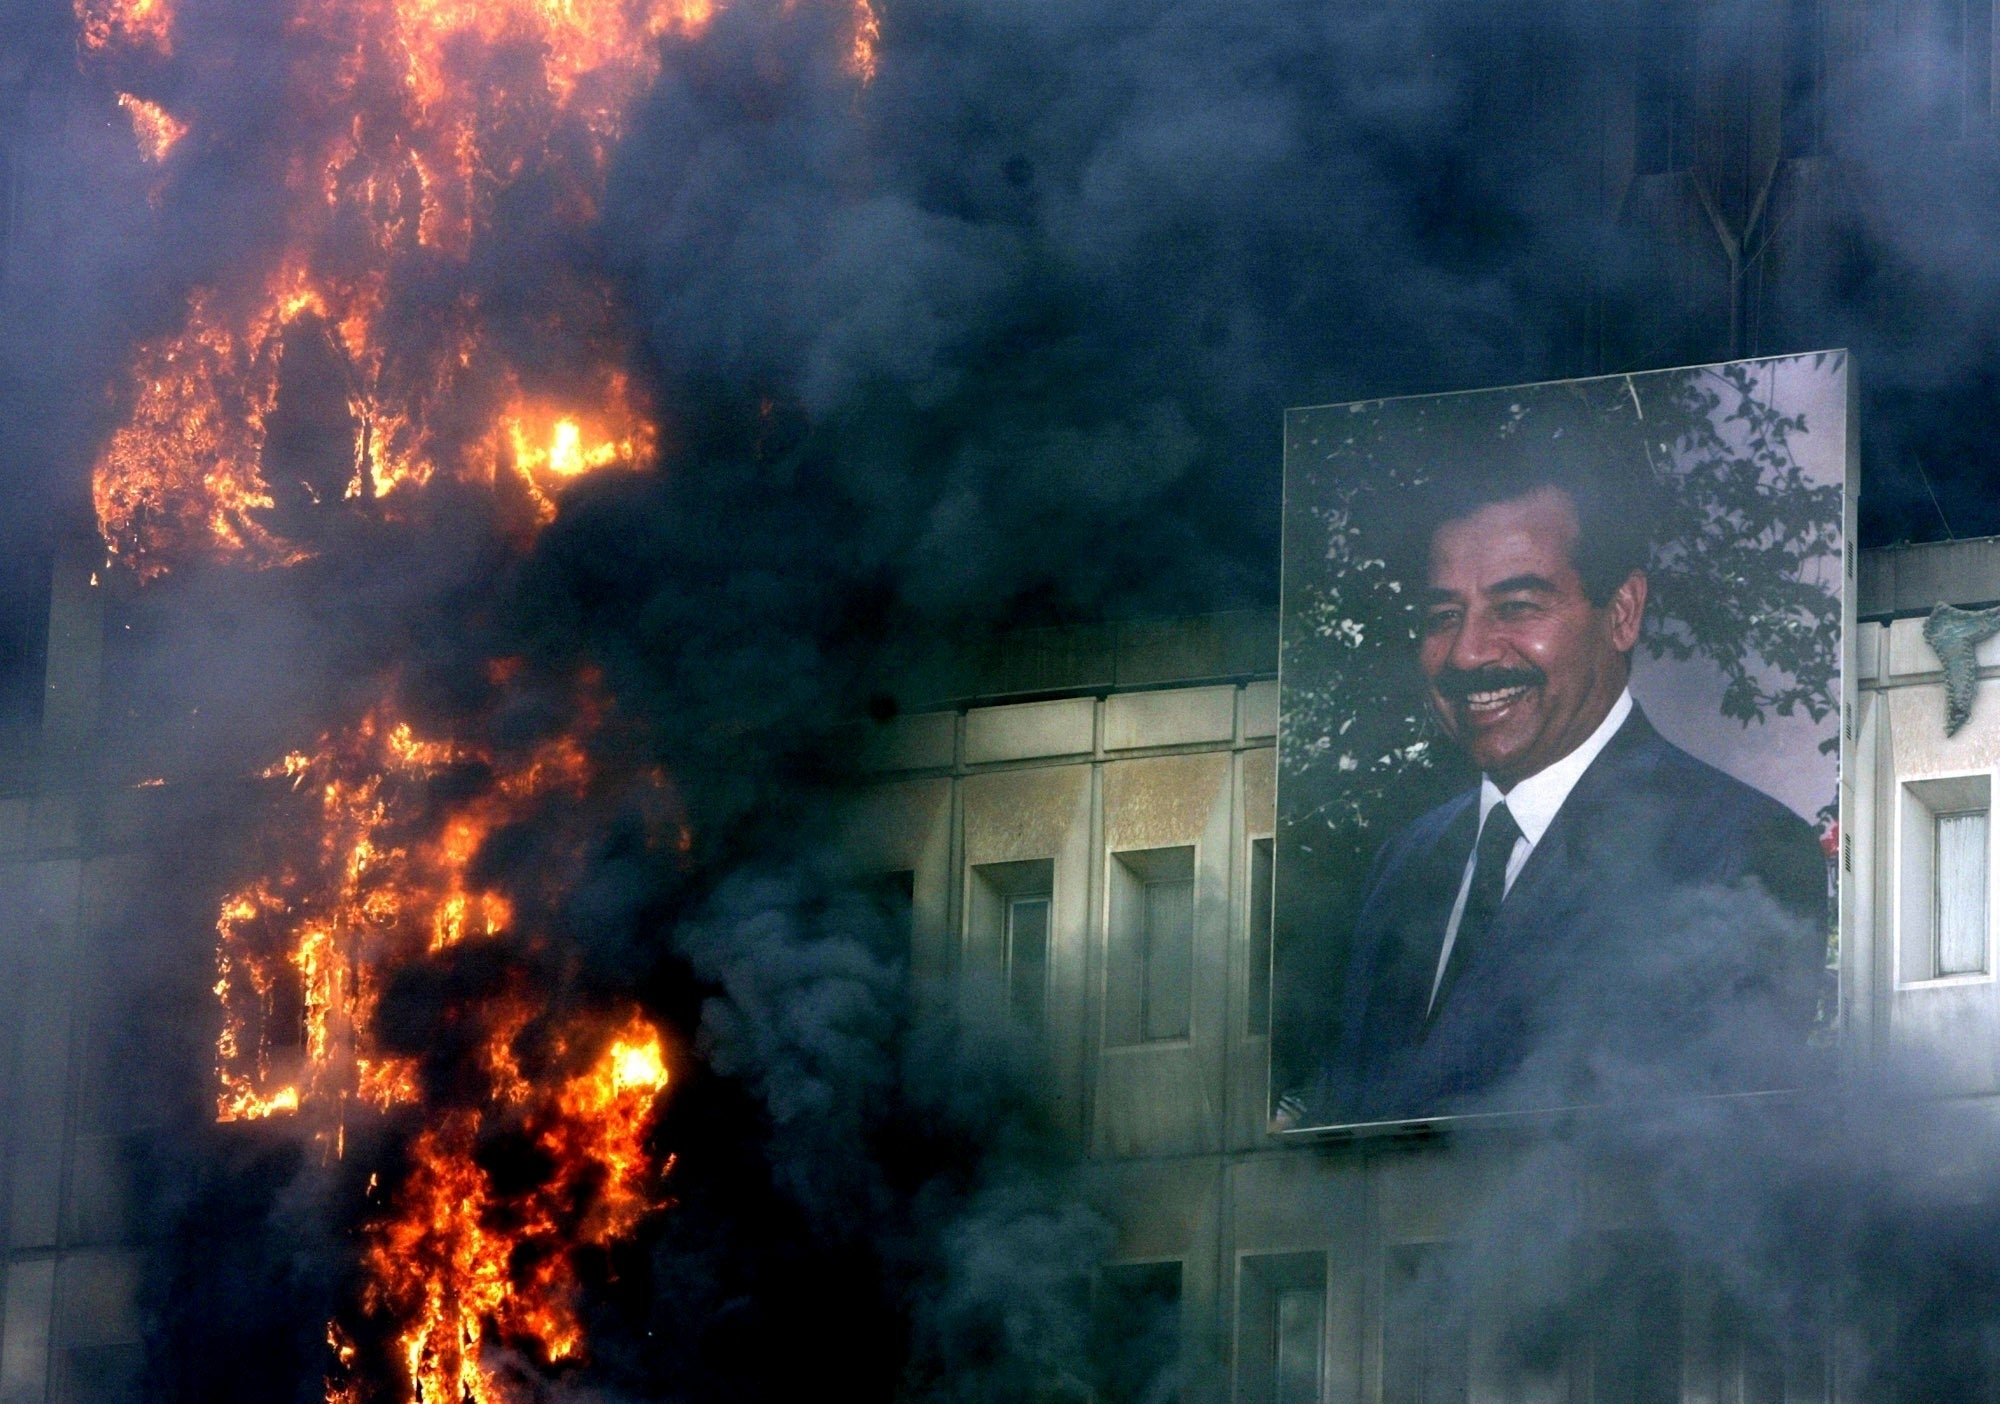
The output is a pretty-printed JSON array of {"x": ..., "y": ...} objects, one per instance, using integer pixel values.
[{"x": 1519, "y": 665}]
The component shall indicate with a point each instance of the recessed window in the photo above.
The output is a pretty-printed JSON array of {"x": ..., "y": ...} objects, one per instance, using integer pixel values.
[
  {"x": 1282, "y": 1330},
  {"x": 1622, "y": 1333},
  {"x": 1009, "y": 917},
  {"x": 1425, "y": 1340},
  {"x": 1149, "y": 970},
  {"x": 1631, "y": 1324},
  {"x": 1944, "y": 911},
  {"x": 1027, "y": 956}
]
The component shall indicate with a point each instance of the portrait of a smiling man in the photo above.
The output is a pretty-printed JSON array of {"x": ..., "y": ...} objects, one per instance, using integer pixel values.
[{"x": 1592, "y": 911}]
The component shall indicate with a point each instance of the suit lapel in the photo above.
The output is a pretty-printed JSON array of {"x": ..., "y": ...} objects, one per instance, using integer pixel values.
[
  {"x": 1556, "y": 878},
  {"x": 1419, "y": 931}
]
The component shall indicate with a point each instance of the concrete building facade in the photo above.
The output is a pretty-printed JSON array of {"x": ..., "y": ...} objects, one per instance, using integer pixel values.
[
  {"x": 1078, "y": 776},
  {"x": 1296, "y": 1266}
]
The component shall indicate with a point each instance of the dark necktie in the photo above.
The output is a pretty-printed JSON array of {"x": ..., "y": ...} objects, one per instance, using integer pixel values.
[{"x": 1482, "y": 899}]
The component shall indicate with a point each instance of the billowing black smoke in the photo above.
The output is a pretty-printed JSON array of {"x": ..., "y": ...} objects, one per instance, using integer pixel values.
[{"x": 1000, "y": 338}]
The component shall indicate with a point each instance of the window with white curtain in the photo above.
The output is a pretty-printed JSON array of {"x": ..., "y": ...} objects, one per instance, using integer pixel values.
[{"x": 1944, "y": 871}]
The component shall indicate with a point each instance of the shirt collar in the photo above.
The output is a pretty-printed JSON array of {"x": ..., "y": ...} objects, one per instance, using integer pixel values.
[{"x": 1534, "y": 801}]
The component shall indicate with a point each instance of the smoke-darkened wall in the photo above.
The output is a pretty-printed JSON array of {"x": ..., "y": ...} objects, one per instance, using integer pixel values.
[{"x": 999, "y": 336}]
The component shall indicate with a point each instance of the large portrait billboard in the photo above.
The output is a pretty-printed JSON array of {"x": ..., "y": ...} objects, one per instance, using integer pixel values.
[{"x": 1559, "y": 744}]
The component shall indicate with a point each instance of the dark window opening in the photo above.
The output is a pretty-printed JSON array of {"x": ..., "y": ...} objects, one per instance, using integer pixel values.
[
  {"x": 1136, "y": 1330},
  {"x": 1635, "y": 1321},
  {"x": 1424, "y": 1336}
]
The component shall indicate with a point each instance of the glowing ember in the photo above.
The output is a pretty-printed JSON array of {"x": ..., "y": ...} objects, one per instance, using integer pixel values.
[
  {"x": 141, "y": 24},
  {"x": 867, "y": 34},
  {"x": 155, "y": 130},
  {"x": 546, "y": 447}
]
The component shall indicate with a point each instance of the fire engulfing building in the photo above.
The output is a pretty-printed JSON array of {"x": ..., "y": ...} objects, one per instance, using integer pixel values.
[{"x": 377, "y": 381}]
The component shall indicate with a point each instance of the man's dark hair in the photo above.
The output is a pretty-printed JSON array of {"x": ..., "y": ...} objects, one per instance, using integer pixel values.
[{"x": 1483, "y": 449}]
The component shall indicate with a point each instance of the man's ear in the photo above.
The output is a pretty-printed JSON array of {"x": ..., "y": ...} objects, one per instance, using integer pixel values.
[{"x": 1628, "y": 611}]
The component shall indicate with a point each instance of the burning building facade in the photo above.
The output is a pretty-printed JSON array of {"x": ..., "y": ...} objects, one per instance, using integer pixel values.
[{"x": 355, "y": 372}]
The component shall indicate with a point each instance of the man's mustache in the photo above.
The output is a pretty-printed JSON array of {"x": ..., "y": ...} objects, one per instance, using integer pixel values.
[{"x": 1457, "y": 684}]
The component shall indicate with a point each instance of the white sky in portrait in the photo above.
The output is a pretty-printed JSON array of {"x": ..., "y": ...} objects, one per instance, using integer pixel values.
[{"x": 1779, "y": 756}]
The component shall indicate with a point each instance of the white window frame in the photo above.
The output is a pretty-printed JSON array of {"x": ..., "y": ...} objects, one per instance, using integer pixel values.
[{"x": 1913, "y": 879}]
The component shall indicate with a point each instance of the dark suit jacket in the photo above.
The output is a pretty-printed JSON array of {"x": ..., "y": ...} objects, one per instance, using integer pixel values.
[{"x": 1667, "y": 935}]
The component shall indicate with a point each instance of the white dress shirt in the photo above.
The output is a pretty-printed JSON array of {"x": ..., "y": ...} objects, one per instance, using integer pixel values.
[{"x": 1533, "y": 802}]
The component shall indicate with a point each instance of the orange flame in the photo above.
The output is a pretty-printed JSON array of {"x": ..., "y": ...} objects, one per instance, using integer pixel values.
[
  {"x": 138, "y": 24},
  {"x": 449, "y": 1261},
  {"x": 861, "y": 60},
  {"x": 411, "y": 123},
  {"x": 380, "y": 893},
  {"x": 184, "y": 466},
  {"x": 410, "y": 141},
  {"x": 153, "y": 127},
  {"x": 432, "y": 111},
  {"x": 545, "y": 447},
  {"x": 388, "y": 880}
]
